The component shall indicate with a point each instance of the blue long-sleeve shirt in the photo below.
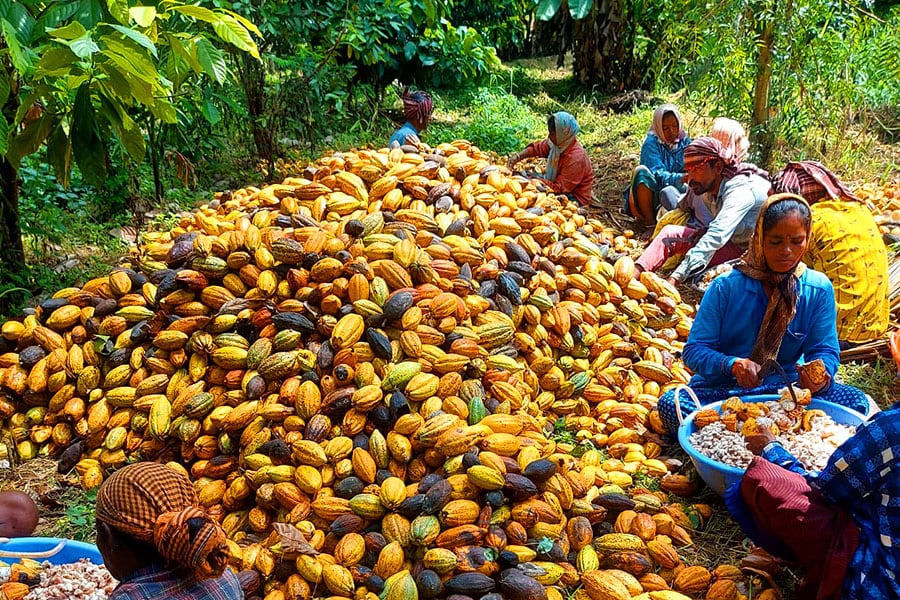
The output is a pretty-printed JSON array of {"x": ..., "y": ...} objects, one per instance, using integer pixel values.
[
  {"x": 666, "y": 164},
  {"x": 401, "y": 135},
  {"x": 863, "y": 477},
  {"x": 729, "y": 319}
]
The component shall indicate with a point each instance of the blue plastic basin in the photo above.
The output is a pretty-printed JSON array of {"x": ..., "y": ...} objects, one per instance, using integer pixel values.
[
  {"x": 718, "y": 476},
  {"x": 71, "y": 552}
]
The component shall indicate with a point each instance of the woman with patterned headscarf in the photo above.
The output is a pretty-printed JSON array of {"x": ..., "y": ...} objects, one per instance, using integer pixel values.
[
  {"x": 417, "y": 107},
  {"x": 569, "y": 169},
  {"x": 769, "y": 308},
  {"x": 158, "y": 541},
  {"x": 662, "y": 165},
  {"x": 847, "y": 246}
]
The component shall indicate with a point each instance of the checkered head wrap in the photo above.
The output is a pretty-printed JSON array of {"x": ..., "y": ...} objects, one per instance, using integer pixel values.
[
  {"x": 417, "y": 105},
  {"x": 813, "y": 181},
  {"x": 156, "y": 504}
]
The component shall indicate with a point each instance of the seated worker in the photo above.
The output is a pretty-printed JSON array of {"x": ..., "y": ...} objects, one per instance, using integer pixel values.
[
  {"x": 661, "y": 166},
  {"x": 841, "y": 525},
  {"x": 158, "y": 541},
  {"x": 417, "y": 107},
  {"x": 770, "y": 307},
  {"x": 693, "y": 210},
  {"x": 18, "y": 514},
  {"x": 736, "y": 193},
  {"x": 569, "y": 169},
  {"x": 846, "y": 245}
]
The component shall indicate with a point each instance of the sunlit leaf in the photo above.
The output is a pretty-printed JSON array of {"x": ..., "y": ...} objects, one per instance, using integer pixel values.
[
  {"x": 119, "y": 10},
  {"x": 143, "y": 15},
  {"x": 229, "y": 30},
  {"x": 72, "y": 31},
  {"x": 84, "y": 46}
]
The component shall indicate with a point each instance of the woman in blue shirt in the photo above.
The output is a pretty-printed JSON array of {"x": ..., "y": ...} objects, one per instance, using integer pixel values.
[
  {"x": 770, "y": 307},
  {"x": 662, "y": 166}
]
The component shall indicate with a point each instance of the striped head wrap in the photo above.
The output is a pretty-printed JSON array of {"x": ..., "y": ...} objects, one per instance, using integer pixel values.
[
  {"x": 158, "y": 505},
  {"x": 566, "y": 130},
  {"x": 656, "y": 127},
  {"x": 783, "y": 299},
  {"x": 812, "y": 180},
  {"x": 708, "y": 149},
  {"x": 417, "y": 105}
]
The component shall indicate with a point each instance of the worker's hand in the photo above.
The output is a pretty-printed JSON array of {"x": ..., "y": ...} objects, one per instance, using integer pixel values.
[
  {"x": 413, "y": 140},
  {"x": 805, "y": 381},
  {"x": 746, "y": 372},
  {"x": 672, "y": 281},
  {"x": 757, "y": 441},
  {"x": 513, "y": 159}
]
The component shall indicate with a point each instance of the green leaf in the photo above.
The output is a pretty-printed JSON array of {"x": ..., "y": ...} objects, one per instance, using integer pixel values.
[
  {"x": 546, "y": 9},
  {"x": 23, "y": 22},
  {"x": 84, "y": 46},
  {"x": 89, "y": 12},
  {"x": 72, "y": 31},
  {"x": 143, "y": 15},
  {"x": 243, "y": 21},
  {"x": 137, "y": 37},
  {"x": 20, "y": 58},
  {"x": 59, "y": 155},
  {"x": 212, "y": 60},
  {"x": 141, "y": 65},
  {"x": 579, "y": 9},
  {"x": 198, "y": 12},
  {"x": 119, "y": 10},
  {"x": 210, "y": 112},
  {"x": 4, "y": 88},
  {"x": 54, "y": 16},
  {"x": 5, "y": 129},
  {"x": 229, "y": 30},
  {"x": 55, "y": 62},
  {"x": 130, "y": 135},
  {"x": 29, "y": 139},
  {"x": 180, "y": 50},
  {"x": 87, "y": 145}
]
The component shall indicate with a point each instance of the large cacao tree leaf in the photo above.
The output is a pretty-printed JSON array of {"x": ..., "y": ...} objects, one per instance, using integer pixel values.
[
  {"x": 579, "y": 9},
  {"x": 546, "y": 9},
  {"x": 87, "y": 145}
]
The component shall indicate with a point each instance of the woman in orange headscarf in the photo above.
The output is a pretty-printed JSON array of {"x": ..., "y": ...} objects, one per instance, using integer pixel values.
[{"x": 158, "y": 541}]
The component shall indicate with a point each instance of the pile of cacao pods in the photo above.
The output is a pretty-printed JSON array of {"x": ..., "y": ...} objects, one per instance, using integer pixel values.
[
  {"x": 884, "y": 201},
  {"x": 401, "y": 373}
]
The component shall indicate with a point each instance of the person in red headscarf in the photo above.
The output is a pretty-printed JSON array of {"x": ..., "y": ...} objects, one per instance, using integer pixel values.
[
  {"x": 417, "y": 107},
  {"x": 736, "y": 191},
  {"x": 158, "y": 541}
]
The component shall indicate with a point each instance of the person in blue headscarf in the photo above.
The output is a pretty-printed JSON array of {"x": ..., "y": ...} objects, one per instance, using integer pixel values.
[
  {"x": 569, "y": 169},
  {"x": 661, "y": 168}
]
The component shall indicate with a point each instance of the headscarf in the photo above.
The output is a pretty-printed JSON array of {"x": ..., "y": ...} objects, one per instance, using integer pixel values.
[
  {"x": 153, "y": 503},
  {"x": 566, "y": 130},
  {"x": 732, "y": 136},
  {"x": 783, "y": 298},
  {"x": 708, "y": 149},
  {"x": 656, "y": 127},
  {"x": 417, "y": 105},
  {"x": 812, "y": 180}
]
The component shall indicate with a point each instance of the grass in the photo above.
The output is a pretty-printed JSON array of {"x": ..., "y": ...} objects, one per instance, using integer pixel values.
[
  {"x": 75, "y": 519},
  {"x": 879, "y": 379}
]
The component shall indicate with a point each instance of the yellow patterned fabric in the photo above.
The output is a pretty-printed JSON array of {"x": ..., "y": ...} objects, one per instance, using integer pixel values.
[{"x": 846, "y": 245}]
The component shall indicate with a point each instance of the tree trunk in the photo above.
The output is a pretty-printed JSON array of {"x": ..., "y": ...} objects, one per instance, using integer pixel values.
[
  {"x": 599, "y": 51},
  {"x": 12, "y": 253},
  {"x": 253, "y": 81},
  {"x": 155, "y": 158},
  {"x": 760, "y": 125}
]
